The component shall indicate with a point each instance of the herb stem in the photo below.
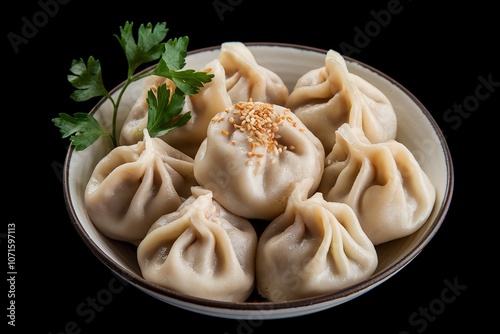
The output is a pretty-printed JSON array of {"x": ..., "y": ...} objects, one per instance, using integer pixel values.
[
  {"x": 114, "y": 135},
  {"x": 83, "y": 129},
  {"x": 130, "y": 79}
]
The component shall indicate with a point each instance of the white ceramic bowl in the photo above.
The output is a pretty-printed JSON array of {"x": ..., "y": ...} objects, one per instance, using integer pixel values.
[{"x": 416, "y": 129}]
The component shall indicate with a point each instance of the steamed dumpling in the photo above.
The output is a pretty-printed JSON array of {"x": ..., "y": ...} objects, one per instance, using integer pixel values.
[
  {"x": 253, "y": 154},
  {"x": 315, "y": 247},
  {"x": 201, "y": 250},
  {"x": 327, "y": 97},
  {"x": 137, "y": 119},
  {"x": 133, "y": 185},
  {"x": 211, "y": 99},
  {"x": 246, "y": 79},
  {"x": 383, "y": 182}
]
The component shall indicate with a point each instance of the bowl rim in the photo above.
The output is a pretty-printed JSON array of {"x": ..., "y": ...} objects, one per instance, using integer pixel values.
[{"x": 366, "y": 284}]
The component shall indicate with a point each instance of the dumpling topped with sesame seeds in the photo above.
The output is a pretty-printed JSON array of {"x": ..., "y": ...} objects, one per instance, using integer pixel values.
[{"x": 253, "y": 155}]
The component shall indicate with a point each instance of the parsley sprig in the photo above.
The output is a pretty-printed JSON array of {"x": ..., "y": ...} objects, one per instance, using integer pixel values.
[
  {"x": 164, "y": 108},
  {"x": 163, "y": 111}
]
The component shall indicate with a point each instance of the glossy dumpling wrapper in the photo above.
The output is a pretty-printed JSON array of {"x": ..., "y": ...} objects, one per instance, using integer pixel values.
[
  {"x": 313, "y": 248},
  {"x": 201, "y": 250},
  {"x": 134, "y": 185},
  {"x": 329, "y": 96},
  {"x": 247, "y": 79},
  {"x": 211, "y": 99},
  {"x": 253, "y": 154},
  {"x": 383, "y": 182}
]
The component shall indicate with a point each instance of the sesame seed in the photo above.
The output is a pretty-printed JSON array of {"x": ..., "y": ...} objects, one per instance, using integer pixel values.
[{"x": 261, "y": 122}]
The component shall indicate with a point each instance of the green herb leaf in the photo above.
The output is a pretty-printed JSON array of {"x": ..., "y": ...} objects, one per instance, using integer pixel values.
[
  {"x": 164, "y": 111},
  {"x": 87, "y": 79},
  {"x": 174, "y": 55},
  {"x": 149, "y": 46},
  {"x": 173, "y": 60},
  {"x": 83, "y": 129}
]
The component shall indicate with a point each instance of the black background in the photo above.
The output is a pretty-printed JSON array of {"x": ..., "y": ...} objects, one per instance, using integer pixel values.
[{"x": 438, "y": 52}]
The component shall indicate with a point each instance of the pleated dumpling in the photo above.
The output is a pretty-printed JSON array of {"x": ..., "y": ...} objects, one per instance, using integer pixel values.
[
  {"x": 329, "y": 96},
  {"x": 253, "y": 154},
  {"x": 201, "y": 250},
  {"x": 383, "y": 182},
  {"x": 211, "y": 99},
  {"x": 204, "y": 105},
  {"x": 137, "y": 118},
  {"x": 246, "y": 79},
  {"x": 134, "y": 185},
  {"x": 315, "y": 247}
]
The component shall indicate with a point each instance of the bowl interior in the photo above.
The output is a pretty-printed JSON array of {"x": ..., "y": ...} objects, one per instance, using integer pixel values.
[{"x": 416, "y": 129}]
